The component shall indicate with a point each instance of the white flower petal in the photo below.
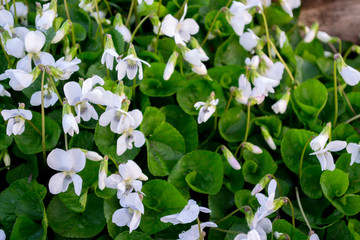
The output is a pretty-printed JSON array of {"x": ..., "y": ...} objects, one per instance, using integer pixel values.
[{"x": 56, "y": 183}]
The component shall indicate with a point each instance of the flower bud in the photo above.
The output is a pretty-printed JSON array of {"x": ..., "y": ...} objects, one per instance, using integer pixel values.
[
  {"x": 261, "y": 185},
  {"x": 350, "y": 75},
  {"x": 320, "y": 141},
  {"x": 230, "y": 158},
  {"x": 281, "y": 236},
  {"x": 6, "y": 158},
  {"x": 252, "y": 148},
  {"x": 103, "y": 172},
  {"x": 269, "y": 140},
  {"x": 311, "y": 32},
  {"x": 281, "y": 105},
  {"x": 55, "y": 72},
  {"x": 94, "y": 156},
  {"x": 169, "y": 69},
  {"x": 62, "y": 32}
]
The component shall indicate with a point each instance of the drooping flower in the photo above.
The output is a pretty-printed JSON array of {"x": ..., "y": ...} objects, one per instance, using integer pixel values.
[
  {"x": 3, "y": 92},
  {"x": 187, "y": 215},
  {"x": 193, "y": 233},
  {"x": 238, "y": 17},
  {"x": 65, "y": 68},
  {"x": 50, "y": 97},
  {"x": 252, "y": 148},
  {"x": 46, "y": 15},
  {"x": 269, "y": 140},
  {"x": 353, "y": 149},
  {"x": 206, "y": 108},
  {"x": 324, "y": 156},
  {"x": 261, "y": 184},
  {"x": 320, "y": 141},
  {"x": 2, "y": 235},
  {"x": 170, "y": 66},
  {"x": 230, "y": 158},
  {"x": 127, "y": 180},
  {"x": 130, "y": 137},
  {"x": 20, "y": 79},
  {"x": 62, "y": 32},
  {"x": 281, "y": 105},
  {"x": 69, "y": 122},
  {"x": 243, "y": 92},
  {"x": 109, "y": 53},
  {"x": 249, "y": 40},
  {"x": 350, "y": 75},
  {"x": 69, "y": 163},
  {"x": 130, "y": 64},
  {"x": 311, "y": 33},
  {"x": 180, "y": 30},
  {"x": 121, "y": 28},
  {"x": 289, "y": 5},
  {"x": 251, "y": 235},
  {"x": 130, "y": 214},
  {"x": 16, "y": 119},
  {"x": 21, "y": 11}
]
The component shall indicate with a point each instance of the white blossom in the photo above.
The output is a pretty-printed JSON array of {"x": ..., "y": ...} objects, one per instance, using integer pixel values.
[
  {"x": 249, "y": 40},
  {"x": 324, "y": 156},
  {"x": 353, "y": 149},
  {"x": 50, "y": 97},
  {"x": 206, "y": 108},
  {"x": 16, "y": 120},
  {"x": 193, "y": 232}
]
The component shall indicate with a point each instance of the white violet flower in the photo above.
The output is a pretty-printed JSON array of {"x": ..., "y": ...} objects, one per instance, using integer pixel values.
[
  {"x": 16, "y": 119},
  {"x": 206, "y": 108}
]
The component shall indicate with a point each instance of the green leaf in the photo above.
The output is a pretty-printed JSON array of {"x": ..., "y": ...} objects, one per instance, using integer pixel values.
[
  {"x": 80, "y": 32},
  {"x": 354, "y": 227},
  {"x": 272, "y": 123},
  {"x": 232, "y": 125},
  {"x": 244, "y": 198},
  {"x": 77, "y": 15},
  {"x": 292, "y": 146},
  {"x": 152, "y": 118},
  {"x": 227, "y": 76},
  {"x": 106, "y": 141},
  {"x": 305, "y": 70},
  {"x": 30, "y": 141},
  {"x": 230, "y": 53},
  {"x": 338, "y": 231},
  {"x": 5, "y": 140},
  {"x": 220, "y": 203},
  {"x": 161, "y": 199},
  {"x": 334, "y": 183},
  {"x": 110, "y": 206},
  {"x": 134, "y": 235},
  {"x": 91, "y": 50},
  {"x": 84, "y": 140},
  {"x": 221, "y": 25},
  {"x": 184, "y": 123},
  {"x": 154, "y": 84},
  {"x": 307, "y": 106},
  {"x": 144, "y": 9},
  {"x": 256, "y": 166},
  {"x": 343, "y": 163},
  {"x": 77, "y": 225},
  {"x": 342, "y": 132},
  {"x": 118, "y": 40},
  {"x": 201, "y": 170},
  {"x": 199, "y": 90},
  {"x": 310, "y": 181},
  {"x": 283, "y": 226},
  {"x": 25, "y": 228},
  {"x": 164, "y": 148},
  {"x": 276, "y": 16},
  {"x": 11, "y": 196}
]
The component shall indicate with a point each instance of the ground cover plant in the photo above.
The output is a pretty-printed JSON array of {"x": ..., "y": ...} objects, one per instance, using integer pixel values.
[{"x": 172, "y": 119}]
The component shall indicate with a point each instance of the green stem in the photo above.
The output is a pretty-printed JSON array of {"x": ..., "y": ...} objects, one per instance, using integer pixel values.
[
  {"x": 230, "y": 214},
  {"x": 36, "y": 129},
  {"x": 73, "y": 40},
  {"x": 346, "y": 98},
  {"x": 292, "y": 211},
  {"x": 43, "y": 115},
  {"x": 133, "y": 89},
  {"x": 340, "y": 46},
  {"x": 199, "y": 227},
  {"x": 267, "y": 34},
  {"x": 157, "y": 40},
  {"x": 99, "y": 22},
  {"x": 138, "y": 26},
  {"x": 212, "y": 25},
  {"x": 283, "y": 62},
  {"x": 303, "y": 154},
  {"x": 56, "y": 91},
  {"x": 228, "y": 103},
  {"x": 213, "y": 131},
  {"x": 348, "y": 52},
  {"x": 7, "y": 5},
  {"x": 335, "y": 96},
  {"x": 181, "y": 67},
  {"x": 226, "y": 231},
  {"x": 130, "y": 12},
  {"x": 66, "y": 141},
  {"x": 159, "y": 8},
  {"x": 301, "y": 208},
  {"x": 108, "y": 7},
  {"x": 15, "y": 17},
  {"x": 352, "y": 119},
  {"x": 6, "y": 56},
  {"x": 115, "y": 163},
  {"x": 246, "y": 130}
]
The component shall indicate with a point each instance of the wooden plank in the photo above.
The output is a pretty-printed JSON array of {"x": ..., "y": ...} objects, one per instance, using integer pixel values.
[{"x": 339, "y": 18}]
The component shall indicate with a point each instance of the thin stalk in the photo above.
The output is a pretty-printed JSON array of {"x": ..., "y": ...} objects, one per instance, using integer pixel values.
[
  {"x": 199, "y": 227},
  {"x": 66, "y": 141},
  {"x": 56, "y": 91},
  {"x": 108, "y": 7},
  {"x": 267, "y": 34},
  {"x": 283, "y": 62},
  {"x": 302, "y": 155},
  {"x": 352, "y": 119},
  {"x": 138, "y": 26},
  {"x": 43, "y": 115},
  {"x": 346, "y": 98},
  {"x": 335, "y": 95},
  {"x": 6, "y": 56},
  {"x": 36, "y": 129},
  {"x": 115, "y": 163},
  {"x": 130, "y": 12},
  {"x": 292, "y": 211},
  {"x": 134, "y": 89},
  {"x": 229, "y": 215},
  {"x": 228, "y": 103},
  {"x": 73, "y": 40},
  {"x": 7, "y": 5},
  {"x": 99, "y": 22},
  {"x": 246, "y": 130},
  {"x": 157, "y": 39},
  {"x": 107, "y": 73},
  {"x": 212, "y": 25},
  {"x": 348, "y": 52},
  {"x": 301, "y": 208},
  {"x": 15, "y": 17},
  {"x": 226, "y": 231},
  {"x": 181, "y": 67},
  {"x": 159, "y": 8},
  {"x": 340, "y": 46},
  {"x": 213, "y": 131}
]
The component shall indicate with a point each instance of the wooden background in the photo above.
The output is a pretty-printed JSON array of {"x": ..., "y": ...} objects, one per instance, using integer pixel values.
[{"x": 339, "y": 18}]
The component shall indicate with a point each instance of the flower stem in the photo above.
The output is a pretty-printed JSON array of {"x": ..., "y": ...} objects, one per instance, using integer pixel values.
[
  {"x": 157, "y": 40},
  {"x": 6, "y": 55},
  {"x": 212, "y": 132},
  {"x": 199, "y": 226},
  {"x": 228, "y": 103},
  {"x": 138, "y": 26},
  {"x": 108, "y": 7},
  {"x": 133, "y": 90},
  {"x": 43, "y": 115},
  {"x": 211, "y": 26},
  {"x": 15, "y": 13},
  {"x": 283, "y": 62},
  {"x": 267, "y": 34},
  {"x": 246, "y": 130},
  {"x": 66, "y": 141},
  {"x": 301, "y": 208},
  {"x": 346, "y": 98},
  {"x": 292, "y": 211},
  {"x": 226, "y": 231},
  {"x": 348, "y": 52},
  {"x": 56, "y": 91},
  {"x": 73, "y": 40},
  {"x": 340, "y": 46},
  {"x": 303, "y": 154},
  {"x": 36, "y": 129},
  {"x": 99, "y": 22},
  {"x": 159, "y": 8},
  {"x": 352, "y": 119},
  {"x": 130, "y": 12},
  {"x": 335, "y": 96},
  {"x": 230, "y": 214}
]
